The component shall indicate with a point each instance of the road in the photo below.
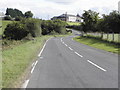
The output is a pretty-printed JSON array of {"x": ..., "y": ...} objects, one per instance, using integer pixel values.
[{"x": 65, "y": 63}]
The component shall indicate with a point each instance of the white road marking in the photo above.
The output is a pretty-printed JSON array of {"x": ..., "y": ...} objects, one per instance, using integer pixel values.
[
  {"x": 25, "y": 84},
  {"x": 41, "y": 57},
  {"x": 78, "y": 54},
  {"x": 66, "y": 45},
  {"x": 97, "y": 66},
  {"x": 70, "y": 48},
  {"x": 43, "y": 48},
  {"x": 34, "y": 66},
  {"x": 63, "y": 42}
]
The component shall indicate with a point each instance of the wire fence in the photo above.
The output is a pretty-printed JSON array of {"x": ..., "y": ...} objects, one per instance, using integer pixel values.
[{"x": 109, "y": 37}]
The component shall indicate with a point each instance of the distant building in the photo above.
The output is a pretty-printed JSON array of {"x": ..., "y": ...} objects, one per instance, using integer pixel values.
[
  {"x": 119, "y": 6},
  {"x": 68, "y": 17}
]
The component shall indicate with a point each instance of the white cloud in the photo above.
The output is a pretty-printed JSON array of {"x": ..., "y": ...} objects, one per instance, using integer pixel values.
[{"x": 43, "y": 8}]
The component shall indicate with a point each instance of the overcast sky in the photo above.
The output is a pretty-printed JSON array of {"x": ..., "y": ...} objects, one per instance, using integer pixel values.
[{"x": 48, "y": 8}]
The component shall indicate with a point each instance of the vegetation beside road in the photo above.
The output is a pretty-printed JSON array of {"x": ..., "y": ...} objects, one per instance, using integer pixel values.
[
  {"x": 4, "y": 24},
  {"x": 73, "y": 23},
  {"x": 98, "y": 43},
  {"x": 17, "y": 58}
]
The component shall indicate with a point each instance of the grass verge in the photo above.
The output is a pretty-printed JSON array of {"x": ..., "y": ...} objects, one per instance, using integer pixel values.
[
  {"x": 17, "y": 59},
  {"x": 100, "y": 44},
  {"x": 4, "y": 24}
]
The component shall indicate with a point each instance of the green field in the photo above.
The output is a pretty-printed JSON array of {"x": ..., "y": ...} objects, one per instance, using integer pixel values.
[
  {"x": 98, "y": 44},
  {"x": 73, "y": 23},
  {"x": 4, "y": 24}
]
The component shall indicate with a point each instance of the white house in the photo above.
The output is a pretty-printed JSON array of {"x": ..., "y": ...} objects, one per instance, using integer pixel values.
[{"x": 68, "y": 17}]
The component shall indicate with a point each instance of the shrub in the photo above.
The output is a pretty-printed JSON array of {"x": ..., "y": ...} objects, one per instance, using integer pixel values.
[
  {"x": 33, "y": 26},
  {"x": 16, "y": 31},
  {"x": 7, "y": 18}
]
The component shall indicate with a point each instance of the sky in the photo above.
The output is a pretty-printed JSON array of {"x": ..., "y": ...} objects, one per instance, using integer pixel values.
[{"x": 46, "y": 9}]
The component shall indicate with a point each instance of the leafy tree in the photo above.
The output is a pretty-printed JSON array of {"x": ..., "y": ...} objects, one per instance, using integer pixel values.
[
  {"x": 14, "y": 12},
  {"x": 33, "y": 26},
  {"x": 90, "y": 18},
  {"x": 28, "y": 14}
]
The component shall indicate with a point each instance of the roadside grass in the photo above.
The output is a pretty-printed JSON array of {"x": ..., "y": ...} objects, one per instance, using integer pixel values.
[
  {"x": 100, "y": 44},
  {"x": 73, "y": 23},
  {"x": 4, "y": 24},
  {"x": 16, "y": 60}
]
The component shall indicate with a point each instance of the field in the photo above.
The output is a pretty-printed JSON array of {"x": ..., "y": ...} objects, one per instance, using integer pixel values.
[
  {"x": 73, "y": 23},
  {"x": 4, "y": 24},
  {"x": 100, "y": 44}
]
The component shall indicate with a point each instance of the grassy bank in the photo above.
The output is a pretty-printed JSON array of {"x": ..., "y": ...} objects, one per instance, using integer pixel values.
[
  {"x": 73, "y": 23},
  {"x": 17, "y": 59},
  {"x": 4, "y": 24},
  {"x": 100, "y": 44}
]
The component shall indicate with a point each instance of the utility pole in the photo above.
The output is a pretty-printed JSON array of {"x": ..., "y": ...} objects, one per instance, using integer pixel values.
[{"x": 66, "y": 16}]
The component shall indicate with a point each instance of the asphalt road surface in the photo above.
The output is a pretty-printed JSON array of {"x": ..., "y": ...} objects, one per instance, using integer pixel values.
[{"x": 65, "y": 63}]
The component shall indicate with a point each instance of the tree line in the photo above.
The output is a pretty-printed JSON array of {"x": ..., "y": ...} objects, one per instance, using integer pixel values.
[
  {"x": 28, "y": 27},
  {"x": 92, "y": 23},
  {"x": 16, "y": 14}
]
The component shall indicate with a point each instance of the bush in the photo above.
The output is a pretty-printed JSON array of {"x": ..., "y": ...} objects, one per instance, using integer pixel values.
[
  {"x": 56, "y": 26},
  {"x": 16, "y": 31},
  {"x": 33, "y": 26},
  {"x": 18, "y": 18},
  {"x": 7, "y": 18}
]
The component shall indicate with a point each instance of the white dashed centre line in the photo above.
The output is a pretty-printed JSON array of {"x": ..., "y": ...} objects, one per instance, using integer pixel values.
[
  {"x": 66, "y": 45},
  {"x": 70, "y": 48},
  {"x": 96, "y": 66},
  {"x": 78, "y": 54}
]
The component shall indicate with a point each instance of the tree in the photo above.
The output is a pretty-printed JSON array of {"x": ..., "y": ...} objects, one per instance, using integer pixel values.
[
  {"x": 90, "y": 18},
  {"x": 14, "y": 12},
  {"x": 28, "y": 14}
]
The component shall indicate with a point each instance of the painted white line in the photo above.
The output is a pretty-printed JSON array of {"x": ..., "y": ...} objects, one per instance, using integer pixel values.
[
  {"x": 43, "y": 48},
  {"x": 70, "y": 48},
  {"x": 78, "y": 54},
  {"x": 66, "y": 45},
  {"x": 34, "y": 66},
  {"x": 41, "y": 57},
  {"x": 25, "y": 84},
  {"x": 63, "y": 42},
  {"x": 36, "y": 63},
  {"x": 97, "y": 66},
  {"x": 61, "y": 39}
]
